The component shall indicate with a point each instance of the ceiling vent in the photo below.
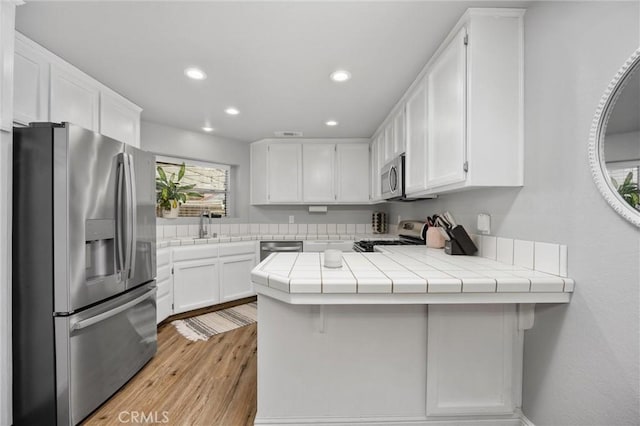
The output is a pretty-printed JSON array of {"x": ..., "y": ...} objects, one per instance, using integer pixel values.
[{"x": 288, "y": 134}]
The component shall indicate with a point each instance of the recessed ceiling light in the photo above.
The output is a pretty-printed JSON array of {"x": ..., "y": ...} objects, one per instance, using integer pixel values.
[
  {"x": 340, "y": 76},
  {"x": 208, "y": 129},
  {"x": 195, "y": 73},
  {"x": 331, "y": 123},
  {"x": 232, "y": 111}
]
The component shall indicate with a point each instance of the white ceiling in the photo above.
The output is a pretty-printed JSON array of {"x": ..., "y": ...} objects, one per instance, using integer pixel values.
[{"x": 271, "y": 60}]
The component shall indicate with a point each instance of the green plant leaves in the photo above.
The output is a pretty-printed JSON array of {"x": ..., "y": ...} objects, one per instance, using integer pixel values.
[
  {"x": 169, "y": 192},
  {"x": 628, "y": 190}
]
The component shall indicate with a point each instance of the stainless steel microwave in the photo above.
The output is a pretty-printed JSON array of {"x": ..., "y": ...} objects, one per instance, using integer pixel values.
[{"x": 392, "y": 179}]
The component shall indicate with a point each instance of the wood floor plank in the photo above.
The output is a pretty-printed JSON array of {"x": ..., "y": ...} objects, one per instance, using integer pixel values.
[{"x": 191, "y": 383}]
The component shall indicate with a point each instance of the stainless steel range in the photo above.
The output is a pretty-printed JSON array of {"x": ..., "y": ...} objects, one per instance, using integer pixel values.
[{"x": 410, "y": 232}]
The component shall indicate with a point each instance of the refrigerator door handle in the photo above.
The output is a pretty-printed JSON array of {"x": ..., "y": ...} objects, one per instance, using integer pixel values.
[
  {"x": 113, "y": 312},
  {"x": 120, "y": 237},
  {"x": 127, "y": 215},
  {"x": 133, "y": 209}
]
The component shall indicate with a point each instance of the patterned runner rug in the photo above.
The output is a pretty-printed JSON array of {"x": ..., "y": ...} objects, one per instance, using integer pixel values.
[{"x": 204, "y": 326}]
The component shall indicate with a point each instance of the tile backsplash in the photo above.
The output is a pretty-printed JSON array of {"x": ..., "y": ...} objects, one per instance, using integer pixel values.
[
  {"x": 191, "y": 230},
  {"x": 544, "y": 257}
]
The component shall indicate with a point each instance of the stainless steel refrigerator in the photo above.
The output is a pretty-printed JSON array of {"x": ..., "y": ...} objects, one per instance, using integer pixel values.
[{"x": 84, "y": 236}]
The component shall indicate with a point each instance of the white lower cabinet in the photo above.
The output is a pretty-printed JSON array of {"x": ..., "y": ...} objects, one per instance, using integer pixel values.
[
  {"x": 196, "y": 284},
  {"x": 235, "y": 277},
  {"x": 198, "y": 276},
  {"x": 474, "y": 354},
  {"x": 164, "y": 282}
]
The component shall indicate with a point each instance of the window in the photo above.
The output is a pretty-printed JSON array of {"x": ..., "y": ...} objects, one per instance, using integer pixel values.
[{"x": 211, "y": 180}]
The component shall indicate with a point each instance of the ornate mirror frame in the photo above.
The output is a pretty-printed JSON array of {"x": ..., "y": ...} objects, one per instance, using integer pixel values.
[{"x": 596, "y": 139}]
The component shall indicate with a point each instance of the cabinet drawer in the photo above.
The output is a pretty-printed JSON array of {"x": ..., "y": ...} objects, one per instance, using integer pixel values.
[
  {"x": 164, "y": 287},
  {"x": 231, "y": 249},
  {"x": 163, "y": 257},
  {"x": 195, "y": 252},
  {"x": 164, "y": 272}
]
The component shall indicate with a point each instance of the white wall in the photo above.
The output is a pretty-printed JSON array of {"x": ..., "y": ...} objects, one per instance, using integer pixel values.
[
  {"x": 581, "y": 364},
  {"x": 176, "y": 142}
]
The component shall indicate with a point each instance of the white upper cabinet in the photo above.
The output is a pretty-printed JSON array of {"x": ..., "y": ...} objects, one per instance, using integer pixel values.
[
  {"x": 464, "y": 112},
  {"x": 196, "y": 284},
  {"x": 446, "y": 115},
  {"x": 398, "y": 133},
  {"x": 284, "y": 173},
  {"x": 318, "y": 172},
  {"x": 374, "y": 180},
  {"x": 352, "y": 172},
  {"x": 259, "y": 170},
  {"x": 119, "y": 119},
  {"x": 7, "y": 73},
  {"x": 495, "y": 104},
  {"x": 30, "y": 84},
  {"x": 306, "y": 171},
  {"x": 74, "y": 99},
  {"x": 387, "y": 135},
  {"x": 416, "y": 138},
  {"x": 47, "y": 88}
]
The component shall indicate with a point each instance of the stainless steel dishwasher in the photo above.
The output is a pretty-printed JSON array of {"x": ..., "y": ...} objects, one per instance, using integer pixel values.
[{"x": 268, "y": 247}]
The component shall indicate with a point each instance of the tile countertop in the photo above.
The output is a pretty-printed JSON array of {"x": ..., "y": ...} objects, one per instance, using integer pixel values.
[
  {"x": 185, "y": 241},
  {"x": 405, "y": 274}
]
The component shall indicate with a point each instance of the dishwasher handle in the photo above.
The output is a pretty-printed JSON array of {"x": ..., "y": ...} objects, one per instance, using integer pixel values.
[{"x": 282, "y": 249}]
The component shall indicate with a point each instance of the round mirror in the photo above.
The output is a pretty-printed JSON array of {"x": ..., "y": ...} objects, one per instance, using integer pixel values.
[{"x": 614, "y": 148}]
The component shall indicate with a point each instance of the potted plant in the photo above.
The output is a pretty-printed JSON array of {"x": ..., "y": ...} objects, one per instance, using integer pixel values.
[
  {"x": 628, "y": 190},
  {"x": 170, "y": 194}
]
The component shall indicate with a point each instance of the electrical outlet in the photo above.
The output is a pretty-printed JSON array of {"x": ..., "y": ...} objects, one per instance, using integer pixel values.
[
  {"x": 292, "y": 220},
  {"x": 484, "y": 223}
]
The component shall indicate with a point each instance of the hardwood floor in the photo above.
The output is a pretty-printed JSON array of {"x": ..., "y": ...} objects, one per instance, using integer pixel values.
[{"x": 190, "y": 383}]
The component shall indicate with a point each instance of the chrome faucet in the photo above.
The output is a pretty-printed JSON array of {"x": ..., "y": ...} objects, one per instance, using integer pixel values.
[{"x": 203, "y": 229}]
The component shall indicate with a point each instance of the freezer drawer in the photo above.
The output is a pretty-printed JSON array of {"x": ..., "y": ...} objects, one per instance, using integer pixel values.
[{"x": 100, "y": 349}]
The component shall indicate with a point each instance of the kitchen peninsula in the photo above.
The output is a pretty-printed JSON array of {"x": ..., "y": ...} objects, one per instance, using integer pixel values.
[{"x": 406, "y": 336}]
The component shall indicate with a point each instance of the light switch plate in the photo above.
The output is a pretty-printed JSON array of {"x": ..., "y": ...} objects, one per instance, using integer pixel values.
[
  {"x": 291, "y": 220},
  {"x": 484, "y": 223}
]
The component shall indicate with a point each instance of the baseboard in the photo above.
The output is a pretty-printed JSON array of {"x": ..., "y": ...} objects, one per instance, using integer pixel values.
[
  {"x": 517, "y": 420},
  {"x": 208, "y": 309}
]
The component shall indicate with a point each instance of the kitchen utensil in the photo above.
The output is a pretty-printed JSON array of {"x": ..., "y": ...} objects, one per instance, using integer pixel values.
[{"x": 435, "y": 238}]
